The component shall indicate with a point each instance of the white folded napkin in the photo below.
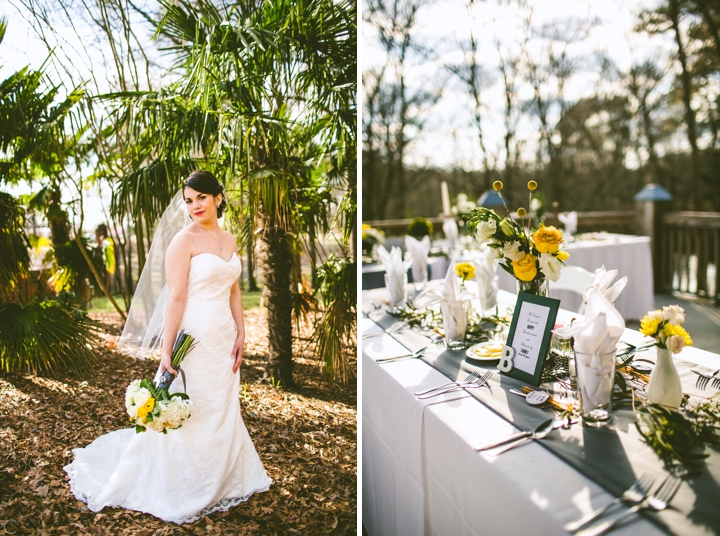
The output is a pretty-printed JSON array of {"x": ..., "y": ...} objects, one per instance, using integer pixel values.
[
  {"x": 418, "y": 250},
  {"x": 451, "y": 298},
  {"x": 596, "y": 334},
  {"x": 487, "y": 280},
  {"x": 602, "y": 281},
  {"x": 570, "y": 222},
  {"x": 450, "y": 229},
  {"x": 396, "y": 273}
]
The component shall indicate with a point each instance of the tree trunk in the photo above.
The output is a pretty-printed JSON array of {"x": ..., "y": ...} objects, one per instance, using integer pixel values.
[
  {"x": 252, "y": 284},
  {"x": 674, "y": 13},
  {"x": 278, "y": 263}
]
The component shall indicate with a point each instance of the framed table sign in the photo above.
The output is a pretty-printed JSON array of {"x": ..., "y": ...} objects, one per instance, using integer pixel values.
[{"x": 529, "y": 337}]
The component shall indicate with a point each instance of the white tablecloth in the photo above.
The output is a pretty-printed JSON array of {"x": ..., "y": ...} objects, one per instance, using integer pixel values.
[
  {"x": 629, "y": 255},
  {"x": 421, "y": 474}
]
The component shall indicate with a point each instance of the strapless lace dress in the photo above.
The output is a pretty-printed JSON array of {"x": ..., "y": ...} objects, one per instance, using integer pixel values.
[{"x": 210, "y": 463}]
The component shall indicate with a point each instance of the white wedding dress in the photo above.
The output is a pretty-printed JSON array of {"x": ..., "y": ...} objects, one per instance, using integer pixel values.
[{"x": 210, "y": 462}]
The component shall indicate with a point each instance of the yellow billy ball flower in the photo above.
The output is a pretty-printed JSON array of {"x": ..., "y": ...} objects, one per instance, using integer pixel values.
[
  {"x": 532, "y": 185},
  {"x": 497, "y": 186},
  {"x": 562, "y": 255},
  {"x": 547, "y": 239},
  {"x": 521, "y": 212},
  {"x": 526, "y": 268}
]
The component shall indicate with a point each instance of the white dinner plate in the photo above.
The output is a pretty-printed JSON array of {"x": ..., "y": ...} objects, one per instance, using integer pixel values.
[{"x": 472, "y": 354}]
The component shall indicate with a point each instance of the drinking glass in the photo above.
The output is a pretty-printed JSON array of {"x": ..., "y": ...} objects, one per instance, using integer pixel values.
[{"x": 595, "y": 378}]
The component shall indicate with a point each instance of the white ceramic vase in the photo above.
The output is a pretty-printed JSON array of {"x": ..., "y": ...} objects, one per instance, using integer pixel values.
[{"x": 665, "y": 387}]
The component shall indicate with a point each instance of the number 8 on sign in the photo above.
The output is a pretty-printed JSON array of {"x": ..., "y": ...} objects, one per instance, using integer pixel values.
[{"x": 506, "y": 361}]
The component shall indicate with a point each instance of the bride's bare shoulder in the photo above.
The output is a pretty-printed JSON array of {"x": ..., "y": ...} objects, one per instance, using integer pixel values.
[{"x": 182, "y": 241}]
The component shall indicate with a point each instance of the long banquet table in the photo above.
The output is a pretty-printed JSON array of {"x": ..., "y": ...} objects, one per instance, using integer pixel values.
[{"x": 421, "y": 474}]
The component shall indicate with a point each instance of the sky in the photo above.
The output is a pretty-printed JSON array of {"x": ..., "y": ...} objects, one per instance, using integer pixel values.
[
  {"x": 450, "y": 139},
  {"x": 23, "y": 47}
]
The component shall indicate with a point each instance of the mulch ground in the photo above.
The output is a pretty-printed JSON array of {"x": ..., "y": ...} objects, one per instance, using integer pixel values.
[{"x": 306, "y": 439}]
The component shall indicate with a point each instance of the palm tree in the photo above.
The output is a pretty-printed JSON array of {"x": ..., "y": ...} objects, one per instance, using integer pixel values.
[{"x": 266, "y": 94}]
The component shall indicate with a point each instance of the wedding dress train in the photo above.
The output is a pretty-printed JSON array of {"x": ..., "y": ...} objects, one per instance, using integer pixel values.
[{"x": 209, "y": 463}]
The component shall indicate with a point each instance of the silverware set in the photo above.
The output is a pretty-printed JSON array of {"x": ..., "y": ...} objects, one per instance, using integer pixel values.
[
  {"x": 637, "y": 496},
  {"x": 389, "y": 331},
  {"x": 473, "y": 381},
  {"x": 704, "y": 379}
]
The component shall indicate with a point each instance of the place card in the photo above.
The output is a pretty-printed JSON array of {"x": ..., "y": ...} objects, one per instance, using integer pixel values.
[{"x": 528, "y": 341}]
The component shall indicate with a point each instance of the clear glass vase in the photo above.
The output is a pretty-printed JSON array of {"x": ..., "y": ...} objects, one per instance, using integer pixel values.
[{"x": 537, "y": 287}]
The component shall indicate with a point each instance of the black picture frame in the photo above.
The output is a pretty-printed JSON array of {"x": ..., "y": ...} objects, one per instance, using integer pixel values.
[{"x": 552, "y": 306}]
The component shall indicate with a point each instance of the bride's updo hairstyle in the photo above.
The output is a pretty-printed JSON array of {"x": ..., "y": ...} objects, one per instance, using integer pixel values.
[{"x": 206, "y": 183}]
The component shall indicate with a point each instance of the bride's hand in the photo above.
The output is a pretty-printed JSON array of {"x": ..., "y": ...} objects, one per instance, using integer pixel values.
[
  {"x": 237, "y": 354},
  {"x": 166, "y": 364}
]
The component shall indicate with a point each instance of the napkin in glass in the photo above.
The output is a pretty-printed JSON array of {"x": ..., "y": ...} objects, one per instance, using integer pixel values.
[
  {"x": 395, "y": 273},
  {"x": 596, "y": 334},
  {"x": 454, "y": 302},
  {"x": 486, "y": 279},
  {"x": 570, "y": 221},
  {"x": 450, "y": 229},
  {"x": 418, "y": 250},
  {"x": 602, "y": 281}
]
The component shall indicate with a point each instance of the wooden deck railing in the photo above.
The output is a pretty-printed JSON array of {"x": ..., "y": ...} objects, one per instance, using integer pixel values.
[{"x": 689, "y": 253}]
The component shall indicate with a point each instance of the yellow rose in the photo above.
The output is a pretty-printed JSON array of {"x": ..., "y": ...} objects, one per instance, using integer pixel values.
[
  {"x": 562, "y": 255},
  {"x": 146, "y": 408},
  {"x": 547, "y": 239},
  {"x": 465, "y": 270},
  {"x": 525, "y": 269}
]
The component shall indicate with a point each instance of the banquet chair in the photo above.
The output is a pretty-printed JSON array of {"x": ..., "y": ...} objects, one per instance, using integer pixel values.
[{"x": 574, "y": 279}]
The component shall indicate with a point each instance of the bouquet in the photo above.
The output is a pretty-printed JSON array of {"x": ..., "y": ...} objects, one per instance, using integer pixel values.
[
  {"x": 664, "y": 326},
  {"x": 532, "y": 256},
  {"x": 150, "y": 405}
]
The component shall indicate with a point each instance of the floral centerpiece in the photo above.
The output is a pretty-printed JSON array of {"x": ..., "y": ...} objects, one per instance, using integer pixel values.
[
  {"x": 371, "y": 237},
  {"x": 663, "y": 325},
  {"x": 532, "y": 256}
]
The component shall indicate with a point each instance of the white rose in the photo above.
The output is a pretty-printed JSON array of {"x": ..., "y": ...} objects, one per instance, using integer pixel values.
[
  {"x": 140, "y": 397},
  {"x": 512, "y": 252},
  {"x": 674, "y": 314},
  {"x": 655, "y": 315},
  {"x": 486, "y": 230},
  {"x": 675, "y": 344},
  {"x": 550, "y": 266}
]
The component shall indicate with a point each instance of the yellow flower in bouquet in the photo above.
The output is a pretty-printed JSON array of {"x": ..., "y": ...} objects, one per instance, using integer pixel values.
[
  {"x": 671, "y": 329},
  {"x": 146, "y": 408},
  {"x": 465, "y": 270},
  {"x": 525, "y": 269},
  {"x": 547, "y": 239}
]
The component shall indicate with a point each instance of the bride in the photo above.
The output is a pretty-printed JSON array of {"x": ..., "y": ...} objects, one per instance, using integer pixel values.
[{"x": 209, "y": 463}]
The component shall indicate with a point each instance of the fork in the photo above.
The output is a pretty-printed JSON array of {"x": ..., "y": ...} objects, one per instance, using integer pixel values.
[
  {"x": 633, "y": 495},
  {"x": 657, "y": 501},
  {"x": 476, "y": 383},
  {"x": 439, "y": 342},
  {"x": 704, "y": 378},
  {"x": 469, "y": 378}
]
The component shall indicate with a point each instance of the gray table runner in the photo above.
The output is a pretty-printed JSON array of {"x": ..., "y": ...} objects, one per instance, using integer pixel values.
[{"x": 613, "y": 456}]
